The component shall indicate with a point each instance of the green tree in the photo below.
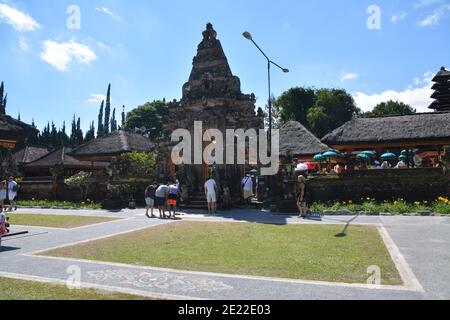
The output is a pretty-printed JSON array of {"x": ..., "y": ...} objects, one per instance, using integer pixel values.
[
  {"x": 332, "y": 108},
  {"x": 100, "y": 121},
  {"x": 390, "y": 108},
  {"x": 106, "y": 124},
  {"x": 2, "y": 99},
  {"x": 113, "y": 121},
  {"x": 90, "y": 134},
  {"x": 122, "y": 125},
  {"x": 138, "y": 162},
  {"x": 149, "y": 116},
  {"x": 294, "y": 105},
  {"x": 82, "y": 181}
]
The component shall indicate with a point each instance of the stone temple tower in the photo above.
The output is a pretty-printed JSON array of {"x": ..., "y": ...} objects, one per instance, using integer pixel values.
[{"x": 212, "y": 95}]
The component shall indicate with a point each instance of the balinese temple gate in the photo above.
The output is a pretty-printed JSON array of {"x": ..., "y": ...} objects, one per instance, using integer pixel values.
[{"x": 213, "y": 96}]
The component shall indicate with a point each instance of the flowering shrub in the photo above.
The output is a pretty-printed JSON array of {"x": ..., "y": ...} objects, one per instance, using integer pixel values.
[{"x": 399, "y": 206}]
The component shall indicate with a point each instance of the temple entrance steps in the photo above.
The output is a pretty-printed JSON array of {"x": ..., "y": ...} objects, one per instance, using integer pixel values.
[{"x": 198, "y": 201}]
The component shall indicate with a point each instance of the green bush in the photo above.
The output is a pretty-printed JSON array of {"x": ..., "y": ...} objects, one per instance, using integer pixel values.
[{"x": 399, "y": 206}]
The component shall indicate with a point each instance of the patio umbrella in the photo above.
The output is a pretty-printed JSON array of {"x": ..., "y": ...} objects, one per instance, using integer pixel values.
[
  {"x": 301, "y": 167},
  {"x": 319, "y": 158},
  {"x": 330, "y": 155},
  {"x": 311, "y": 166},
  {"x": 388, "y": 156},
  {"x": 363, "y": 157},
  {"x": 371, "y": 154},
  {"x": 403, "y": 158}
]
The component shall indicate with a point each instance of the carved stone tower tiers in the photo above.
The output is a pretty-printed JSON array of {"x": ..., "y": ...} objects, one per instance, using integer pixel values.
[{"x": 213, "y": 95}]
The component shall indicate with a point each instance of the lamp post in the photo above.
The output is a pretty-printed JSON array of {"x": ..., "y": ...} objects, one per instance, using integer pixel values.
[{"x": 247, "y": 35}]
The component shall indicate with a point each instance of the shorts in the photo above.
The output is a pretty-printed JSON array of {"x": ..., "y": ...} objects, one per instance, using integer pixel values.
[
  {"x": 150, "y": 202},
  {"x": 12, "y": 196},
  {"x": 173, "y": 197},
  {"x": 248, "y": 194},
  {"x": 172, "y": 202},
  {"x": 211, "y": 197},
  {"x": 160, "y": 202}
]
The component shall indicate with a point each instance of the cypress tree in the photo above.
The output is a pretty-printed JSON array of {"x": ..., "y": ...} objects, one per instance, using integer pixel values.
[
  {"x": 18, "y": 117},
  {"x": 2, "y": 100},
  {"x": 73, "y": 133},
  {"x": 113, "y": 121},
  {"x": 79, "y": 134},
  {"x": 100, "y": 121},
  {"x": 123, "y": 117},
  {"x": 107, "y": 111}
]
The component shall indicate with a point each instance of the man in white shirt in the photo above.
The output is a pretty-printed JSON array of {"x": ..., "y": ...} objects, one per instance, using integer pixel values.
[
  {"x": 247, "y": 187},
  {"x": 211, "y": 191},
  {"x": 12, "y": 193}
]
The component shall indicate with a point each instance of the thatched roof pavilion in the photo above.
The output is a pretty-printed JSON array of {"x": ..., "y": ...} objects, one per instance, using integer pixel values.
[
  {"x": 29, "y": 154},
  {"x": 113, "y": 145},
  {"x": 410, "y": 131},
  {"x": 12, "y": 130},
  {"x": 299, "y": 142},
  {"x": 63, "y": 159}
]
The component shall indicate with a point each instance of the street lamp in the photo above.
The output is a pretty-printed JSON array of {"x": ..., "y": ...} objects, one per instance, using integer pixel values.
[{"x": 247, "y": 35}]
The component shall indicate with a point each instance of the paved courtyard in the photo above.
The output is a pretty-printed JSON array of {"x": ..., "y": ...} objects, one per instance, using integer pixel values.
[{"x": 419, "y": 246}]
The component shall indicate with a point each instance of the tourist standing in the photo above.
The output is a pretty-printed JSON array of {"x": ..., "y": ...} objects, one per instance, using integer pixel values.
[
  {"x": 13, "y": 187},
  {"x": 301, "y": 202},
  {"x": 162, "y": 194},
  {"x": 211, "y": 195},
  {"x": 173, "y": 197},
  {"x": 150, "y": 198},
  {"x": 247, "y": 187},
  {"x": 2, "y": 195}
]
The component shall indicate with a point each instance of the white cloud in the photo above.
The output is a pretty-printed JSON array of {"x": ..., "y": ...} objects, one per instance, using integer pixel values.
[
  {"x": 398, "y": 17},
  {"x": 108, "y": 12},
  {"x": 96, "y": 98},
  {"x": 349, "y": 76},
  {"x": 417, "y": 95},
  {"x": 60, "y": 55},
  {"x": 435, "y": 17},
  {"x": 17, "y": 19},
  {"x": 424, "y": 3}
]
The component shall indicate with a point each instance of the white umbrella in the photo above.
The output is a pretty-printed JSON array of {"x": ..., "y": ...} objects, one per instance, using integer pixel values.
[{"x": 301, "y": 167}]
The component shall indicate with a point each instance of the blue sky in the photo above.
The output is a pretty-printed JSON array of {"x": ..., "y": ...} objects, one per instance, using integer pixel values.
[{"x": 145, "y": 49}]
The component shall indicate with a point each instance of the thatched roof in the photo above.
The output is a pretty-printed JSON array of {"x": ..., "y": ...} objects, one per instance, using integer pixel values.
[
  {"x": 417, "y": 127},
  {"x": 296, "y": 140},
  {"x": 62, "y": 157},
  {"x": 115, "y": 143},
  {"x": 29, "y": 154},
  {"x": 13, "y": 129}
]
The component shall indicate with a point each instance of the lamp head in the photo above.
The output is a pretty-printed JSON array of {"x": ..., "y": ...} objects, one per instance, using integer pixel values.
[
  {"x": 286, "y": 70},
  {"x": 247, "y": 35}
]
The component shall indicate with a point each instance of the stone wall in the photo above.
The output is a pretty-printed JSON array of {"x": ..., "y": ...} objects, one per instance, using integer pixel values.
[{"x": 408, "y": 184}]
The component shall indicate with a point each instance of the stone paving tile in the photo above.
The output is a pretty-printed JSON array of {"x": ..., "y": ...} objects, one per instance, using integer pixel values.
[{"x": 421, "y": 240}]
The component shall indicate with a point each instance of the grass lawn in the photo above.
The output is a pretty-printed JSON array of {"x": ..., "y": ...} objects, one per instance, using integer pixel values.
[
  {"x": 55, "y": 221},
  {"x": 308, "y": 252},
  {"x": 11, "y": 289}
]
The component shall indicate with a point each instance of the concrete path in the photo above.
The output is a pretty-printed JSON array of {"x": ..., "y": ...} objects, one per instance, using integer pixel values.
[{"x": 419, "y": 246}]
